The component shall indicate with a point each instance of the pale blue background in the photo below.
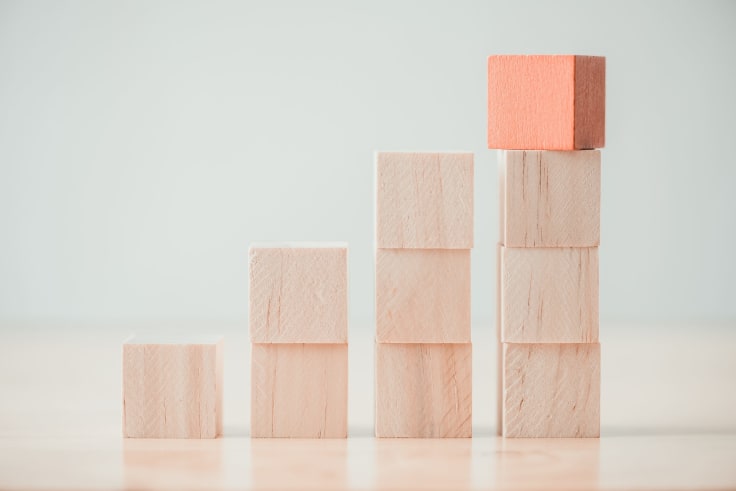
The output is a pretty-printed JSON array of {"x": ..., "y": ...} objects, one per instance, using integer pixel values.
[{"x": 144, "y": 145}]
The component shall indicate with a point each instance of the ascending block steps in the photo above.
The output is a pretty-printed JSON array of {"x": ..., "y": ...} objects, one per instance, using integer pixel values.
[
  {"x": 545, "y": 112},
  {"x": 299, "y": 332},
  {"x": 424, "y": 234},
  {"x": 172, "y": 388}
]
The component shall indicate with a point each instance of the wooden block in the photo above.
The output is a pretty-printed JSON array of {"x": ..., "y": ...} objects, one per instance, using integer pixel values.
[
  {"x": 424, "y": 390},
  {"x": 424, "y": 200},
  {"x": 546, "y": 102},
  {"x": 551, "y": 199},
  {"x": 299, "y": 293},
  {"x": 551, "y": 390},
  {"x": 549, "y": 295},
  {"x": 299, "y": 390},
  {"x": 172, "y": 390},
  {"x": 423, "y": 295},
  {"x": 499, "y": 353}
]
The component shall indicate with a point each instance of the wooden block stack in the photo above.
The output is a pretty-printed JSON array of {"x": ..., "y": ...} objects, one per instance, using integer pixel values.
[
  {"x": 547, "y": 114},
  {"x": 424, "y": 234},
  {"x": 299, "y": 333},
  {"x": 172, "y": 388}
]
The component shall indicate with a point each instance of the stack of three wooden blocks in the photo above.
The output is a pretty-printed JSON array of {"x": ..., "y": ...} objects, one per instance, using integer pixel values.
[
  {"x": 547, "y": 113},
  {"x": 424, "y": 237}
]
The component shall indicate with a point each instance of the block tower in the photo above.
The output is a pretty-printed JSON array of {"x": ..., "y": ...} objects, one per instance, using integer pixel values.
[
  {"x": 299, "y": 333},
  {"x": 424, "y": 235},
  {"x": 547, "y": 116}
]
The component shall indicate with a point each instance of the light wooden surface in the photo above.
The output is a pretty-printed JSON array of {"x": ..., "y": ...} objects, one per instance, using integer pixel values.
[
  {"x": 299, "y": 390},
  {"x": 424, "y": 390},
  {"x": 549, "y": 295},
  {"x": 546, "y": 102},
  {"x": 551, "y": 390},
  {"x": 423, "y": 295},
  {"x": 172, "y": 390},
  {"x": 550, "y": 199},
  {"x": 668, "y": 421},
  {"x": 424, "y": 200},
  {"x": 298, "y": 293}
]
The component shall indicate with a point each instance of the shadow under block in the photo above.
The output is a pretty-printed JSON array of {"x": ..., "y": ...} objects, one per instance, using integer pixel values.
[
  {"x": 424, "y": 390},
  {"x": 550, "y": 199},
  {"x": 551, "y": 390},
  {"x": 549, "y": 295},
  {"x": 423, "y": 295},
  {"x": 424, "y": 200},
  {"x": 546, "y": 102},
  {"x": 172, "y": 390},
  {"x": 299, "y": 391},
  {"x": 299, "y": 293}
]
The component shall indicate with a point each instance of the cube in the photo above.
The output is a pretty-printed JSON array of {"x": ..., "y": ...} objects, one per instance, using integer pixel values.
[
  {"x": 172, "y": 388},
  {"x": 551, "y": 390},
  {"x": 546, "y": 102},
  {"x": 549, "y": 295},
  {"x": 424, "y": 390},
  {"x": 423, "y": 295},
  {"x": 550, "y": 198},
  {"x": 299, "y": 390},
  {"x": 424, "y": 200},
  {"x": 298, "y": 293}
]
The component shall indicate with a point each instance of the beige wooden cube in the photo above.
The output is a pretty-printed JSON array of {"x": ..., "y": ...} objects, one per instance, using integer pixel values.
[
  {"x": 299, "y": 390},
  {"x": 298, "y": 293},
  {"x": 423, "y": 295},
  {"x": 549, "y": 295},
  {"x": 551, "y": 390},
  {"x": 172, "y": 388},
  {"x": 424, "y": 390},
  {"x": 550, "y": 199},
  {"x": 424, "y": 200}
]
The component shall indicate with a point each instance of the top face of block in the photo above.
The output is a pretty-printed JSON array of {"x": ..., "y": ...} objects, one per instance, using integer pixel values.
[
  {"x": 424, "y": 200},
  {"x": 544, "y": 102},
  {"x": 298, "y": 294},
  {"x": 550, "y": 198}
]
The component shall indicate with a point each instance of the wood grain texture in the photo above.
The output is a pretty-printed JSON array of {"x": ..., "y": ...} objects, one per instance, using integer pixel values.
[
  {"x": 549, "y": 295},
  {"x": 534, "y": 102},
  {"x": 424, "y": 390},
  {"x": 299, "y": 390},
  {"x": 499, "y": 347},
  {"x": 423, "y": 295},
  {"x": 172, "y": 391},
  {"x": 550, "y": 198},
  {"x": 298, "y": 294},
  {"x": 551, "y": 390},
  {"x": 424, "y": 200}
]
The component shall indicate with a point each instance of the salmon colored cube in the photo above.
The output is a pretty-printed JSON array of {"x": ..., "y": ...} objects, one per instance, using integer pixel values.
[{"x": 545, "y": 102}]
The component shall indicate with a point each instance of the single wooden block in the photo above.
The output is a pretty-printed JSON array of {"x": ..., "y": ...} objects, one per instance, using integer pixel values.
[
  {"x": 551, "y": 199},
  {"x": 499, "y": 353},
  {"x": 551, "y": 390},
  {"x": 172, "y": 389},
  {"x": 546, "y": 102},
  {"x": 299, "y": 390},
  {"x": 424, "y": 200},
  {"x": 549, "y": 295},
  {"x": 424, "y": 390},
  {"x": 298, "y": 293},
  {"x": 423, "y": 295}
]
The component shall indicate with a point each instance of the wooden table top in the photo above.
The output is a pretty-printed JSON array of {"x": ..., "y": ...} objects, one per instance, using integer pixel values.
[{"x": 668, "y": 416}]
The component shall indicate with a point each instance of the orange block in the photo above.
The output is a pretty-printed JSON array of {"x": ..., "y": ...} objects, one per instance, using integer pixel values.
[{"x": 546, "y": 102}]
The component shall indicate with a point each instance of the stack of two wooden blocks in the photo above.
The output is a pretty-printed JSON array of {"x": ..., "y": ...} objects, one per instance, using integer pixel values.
[
  {"x": 299, "y": 332},
  {"x": 424, "y": 236},
  {"x": 548, "y": 113}
]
